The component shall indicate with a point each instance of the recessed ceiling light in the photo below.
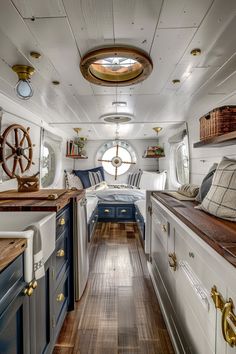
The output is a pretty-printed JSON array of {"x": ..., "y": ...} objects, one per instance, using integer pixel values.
[
  {"x": 175, "y": 81},
  {"x": 116, "y": 66},
  {"x": 117, "y": 118},
  {"x": 195, "y": 52},
  {"x": 35, "y": 55},
  {"x": 119, "y": 103}
]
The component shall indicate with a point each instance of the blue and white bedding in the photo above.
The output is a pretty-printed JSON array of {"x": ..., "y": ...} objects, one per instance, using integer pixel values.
[{"x": 120, "y": 195}]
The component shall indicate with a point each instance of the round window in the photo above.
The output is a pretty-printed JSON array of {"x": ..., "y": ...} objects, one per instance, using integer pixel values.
[{"x": 48, "y": 165}]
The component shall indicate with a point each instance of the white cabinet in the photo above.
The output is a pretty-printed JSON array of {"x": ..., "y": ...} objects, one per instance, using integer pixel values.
[{"x": 183, "y": 284}]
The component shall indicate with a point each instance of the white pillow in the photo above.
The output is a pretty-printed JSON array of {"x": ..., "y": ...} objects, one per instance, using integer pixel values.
[{"x": 73, "y": 181}]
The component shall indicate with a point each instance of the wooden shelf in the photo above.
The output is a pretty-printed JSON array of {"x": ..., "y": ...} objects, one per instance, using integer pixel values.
[
  {"x": 77, "y": 157},
  {"x": 225, "y": 139},
  {"x": 153, "y": 157}
]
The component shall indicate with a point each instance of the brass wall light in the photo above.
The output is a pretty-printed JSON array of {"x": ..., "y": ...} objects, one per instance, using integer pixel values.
[
  {"x": 23, "y": 87},
  {"x": 116, "y": 66}
]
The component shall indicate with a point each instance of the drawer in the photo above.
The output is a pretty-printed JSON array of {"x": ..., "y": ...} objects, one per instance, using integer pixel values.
[
  {"x": 62, "y": 221},
  {"x": 160, "y": 227},
  {"x": 106, "y": 212},
  {"x": 10, "y": 278},
  {"x": 60, "y": 301},
  {"x": 124, "y": 212},
  {"x": 61, "y": 252}
]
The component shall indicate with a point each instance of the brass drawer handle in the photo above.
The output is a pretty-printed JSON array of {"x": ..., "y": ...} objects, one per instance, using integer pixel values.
[
  {"x": 60, "y": 253},
  {"x": 123, "y": 211},
  {"x": 33, "y": 284},
  {"x": 60, "y": 297},
  {"x": 172, "y": 261},
  {"x": 228, "y": 323},
  {"x": 62, "y": 222},
  {"x": 28, "y": 291},
  {"x": 164, "y": 228},
  {"x": 107, "y": 211}
]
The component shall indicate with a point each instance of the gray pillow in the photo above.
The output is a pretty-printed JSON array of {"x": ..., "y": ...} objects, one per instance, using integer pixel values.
[
  {"x": 220, "y": 201},
  {"x": 206, "y": 183}
]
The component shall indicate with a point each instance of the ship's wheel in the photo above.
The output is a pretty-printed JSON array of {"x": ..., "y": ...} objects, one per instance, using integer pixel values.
[
  {"x": 117, "y": 161},
  {"x": 16, "y": 150}
]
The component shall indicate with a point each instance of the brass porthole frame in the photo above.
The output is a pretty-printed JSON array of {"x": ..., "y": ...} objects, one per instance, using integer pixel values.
[{"x": 140, "y": 71}]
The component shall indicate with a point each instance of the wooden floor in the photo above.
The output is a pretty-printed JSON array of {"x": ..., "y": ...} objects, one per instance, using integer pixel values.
[{"x": 118, "y": 313}]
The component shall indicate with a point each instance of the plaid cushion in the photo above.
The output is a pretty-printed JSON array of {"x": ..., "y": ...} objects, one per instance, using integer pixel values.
[{"x": 221, "y": 198}]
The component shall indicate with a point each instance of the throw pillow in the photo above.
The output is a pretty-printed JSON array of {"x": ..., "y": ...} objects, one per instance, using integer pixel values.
[
  {"x": 206, "y": 183},
  {"x": 84, "y": 175},
  {"x": 72, "y": 181},
  {"x": 220, "y": 201},
  {"x": 95, "y": 178}
]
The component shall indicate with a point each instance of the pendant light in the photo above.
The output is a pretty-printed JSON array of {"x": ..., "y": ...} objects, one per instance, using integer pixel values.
[{"x": 23, "y": 87}]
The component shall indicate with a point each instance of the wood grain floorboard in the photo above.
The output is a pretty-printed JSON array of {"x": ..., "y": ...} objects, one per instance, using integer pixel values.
[{"x": 119, "y": 312}]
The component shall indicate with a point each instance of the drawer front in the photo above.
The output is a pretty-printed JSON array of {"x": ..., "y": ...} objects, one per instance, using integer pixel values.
[
  {"x": 60, "y": 300},
  {"x": 106, "y": 212},
  {"x": 61, "y": 252},
  {"x": 160, "y": 226},
  {"x": 62, "y": 221},
  {"x": 10, "y": 277},
  {"x": 124, "y": 212}
]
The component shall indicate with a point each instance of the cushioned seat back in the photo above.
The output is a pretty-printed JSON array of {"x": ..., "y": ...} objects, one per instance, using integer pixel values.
[{"x": 153, "y": 180}]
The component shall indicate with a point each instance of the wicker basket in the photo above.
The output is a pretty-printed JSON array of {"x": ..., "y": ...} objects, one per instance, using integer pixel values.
[{"x": 219, "y": 121}]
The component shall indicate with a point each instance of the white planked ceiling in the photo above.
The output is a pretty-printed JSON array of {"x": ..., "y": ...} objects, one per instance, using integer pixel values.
[{"x": 64, "y": 30}]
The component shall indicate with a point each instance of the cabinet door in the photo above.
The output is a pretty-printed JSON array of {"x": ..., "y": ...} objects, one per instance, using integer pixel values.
[
  {"x": 14, "y": 327},
  {"x": 41, "y": 314}
]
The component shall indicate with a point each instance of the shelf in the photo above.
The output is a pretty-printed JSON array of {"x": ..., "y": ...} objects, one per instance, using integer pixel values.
[
  {"x": 153, "y": 157},
  {"x": 77, "y": 157},
  {"x": 223, "y": 140}
]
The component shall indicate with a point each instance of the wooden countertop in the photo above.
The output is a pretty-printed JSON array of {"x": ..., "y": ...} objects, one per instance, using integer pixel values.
[
  {"x": 41, "y": 205},
  {"x": 10, "y": 248},
  {"x": 218, "y": 233}
]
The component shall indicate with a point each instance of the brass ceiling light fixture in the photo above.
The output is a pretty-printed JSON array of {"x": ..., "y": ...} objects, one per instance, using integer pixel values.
[
  {"x": 195, "y": 52},
  {"x": 157, "y": 129},
  {"x": 116, "y": 66},
  {"x": 23, "y": 88}
]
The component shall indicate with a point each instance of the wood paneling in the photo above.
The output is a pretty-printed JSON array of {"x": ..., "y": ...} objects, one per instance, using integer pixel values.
[{"x": 119, "y": 312}]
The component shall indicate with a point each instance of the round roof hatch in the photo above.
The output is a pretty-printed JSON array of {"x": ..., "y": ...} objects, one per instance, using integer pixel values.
[
  {"x": 117, "y": 118},
  {"x": 116, "y": 66}
]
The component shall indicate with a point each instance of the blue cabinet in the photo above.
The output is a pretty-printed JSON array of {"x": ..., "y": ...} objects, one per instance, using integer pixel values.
[
  {"x": 115, "y": 212},
  {"x": 14, "y": 311}
]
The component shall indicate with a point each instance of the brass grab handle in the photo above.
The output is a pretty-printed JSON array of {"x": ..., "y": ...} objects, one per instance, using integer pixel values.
[
  {"x": 164, "y": 228},
  {"x": 107, "y": 211},
  {"x": 33, "y": 284},
  {"x": 28, "y": 291},
  {"x": 60, "y": 253},
  {"x": 62, "y": 222},
  {"x": 60, "y": 297},
  {"x": 228, "y": 323},
  {"x": 172, "y": 261}
]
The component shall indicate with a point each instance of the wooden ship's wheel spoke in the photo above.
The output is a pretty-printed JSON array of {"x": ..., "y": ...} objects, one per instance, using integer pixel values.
[{"x": 15, "y": 137}]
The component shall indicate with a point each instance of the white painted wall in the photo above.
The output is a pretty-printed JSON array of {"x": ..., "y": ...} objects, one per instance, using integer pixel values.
[{"x": 138, "y": 145}]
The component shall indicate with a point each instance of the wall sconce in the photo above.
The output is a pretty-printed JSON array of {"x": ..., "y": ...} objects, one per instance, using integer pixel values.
[{"x": 23, "y": 87}]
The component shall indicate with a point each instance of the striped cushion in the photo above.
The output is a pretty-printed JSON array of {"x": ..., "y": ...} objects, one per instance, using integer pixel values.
[
  {"x": 95, "y": 178},
  {"x": 221, "y": 198},
  {"x": 134, "y": 179}
]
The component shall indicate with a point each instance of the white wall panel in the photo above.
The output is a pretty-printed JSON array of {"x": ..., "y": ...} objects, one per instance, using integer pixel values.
[{"x": 39, "y": 8}]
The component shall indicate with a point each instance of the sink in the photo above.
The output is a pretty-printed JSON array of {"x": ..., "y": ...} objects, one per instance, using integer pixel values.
[{"x": 13, "y": 225}]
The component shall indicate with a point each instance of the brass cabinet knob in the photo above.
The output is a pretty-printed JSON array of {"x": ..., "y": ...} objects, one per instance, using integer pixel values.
[
  {"x": 60, "y": 297},
  {"x": 28, "y": 291},
  {"x": 60, "y": 253},
  {"x": 164, "y": 228},
  {"x": 228, "y": 323},
  {"x": 62, "y": 222},
  {"x": 107, "y": 211},
  {"x": 34, "y": 284},
  {"x": 172, "y": 261},
  {"x": 123, "y": 211}
]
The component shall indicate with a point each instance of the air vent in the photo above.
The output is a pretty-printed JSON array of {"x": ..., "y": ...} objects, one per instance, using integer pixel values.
[{"x": 117, "y": 118}]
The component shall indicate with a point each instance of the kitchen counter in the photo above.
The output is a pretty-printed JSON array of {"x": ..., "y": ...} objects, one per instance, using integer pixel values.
[
  {"x": 218, "y": 233},
  {"x": 41, "y": 205},
  {"x": 10, "y": 248}
]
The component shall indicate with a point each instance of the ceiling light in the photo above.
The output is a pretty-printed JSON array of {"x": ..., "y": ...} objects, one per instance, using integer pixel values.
[
  {"x": 23, "y": 87},
  {"x": 35, "y": 55},
  {"x": 117, "y": 118},
  {"x": 195, "y": 52},
  {"x": 77, "y": 130},
  {"x": 116, "y": 66},
  {"x": 157, "y": 129},
  {"x": 176, "y": 81},
  {"x": 119, "y": 103}
]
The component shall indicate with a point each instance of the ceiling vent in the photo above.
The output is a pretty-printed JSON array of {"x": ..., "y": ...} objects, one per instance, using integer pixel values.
[{"x": 118, "y": 118}]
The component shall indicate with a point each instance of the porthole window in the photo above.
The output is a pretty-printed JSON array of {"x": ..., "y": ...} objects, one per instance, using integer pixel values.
[
  {"x": 48, "y": 165},
  {"x": 182, "y": 164},
  {"x": 116, "y": 157}
]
